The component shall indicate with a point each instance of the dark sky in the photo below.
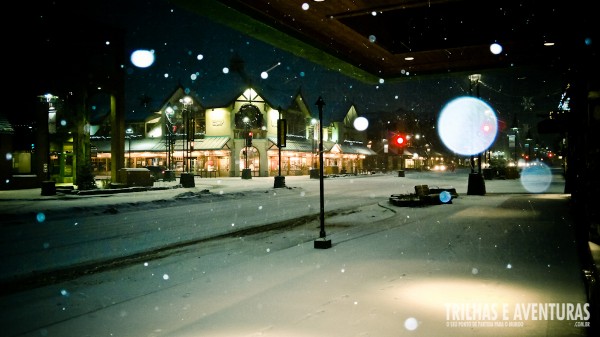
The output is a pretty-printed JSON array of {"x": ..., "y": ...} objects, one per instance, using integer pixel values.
[{"x": 178, "y": 37}]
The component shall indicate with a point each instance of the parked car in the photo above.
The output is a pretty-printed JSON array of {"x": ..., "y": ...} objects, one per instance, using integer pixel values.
[{"x": 157, "y": 172}]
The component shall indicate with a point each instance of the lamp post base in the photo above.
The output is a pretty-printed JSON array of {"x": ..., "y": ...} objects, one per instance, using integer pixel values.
[
  {"x": 476, "y": 184},
  {"x": 279, "y": 182},
  {"x": 187, "y": 180},
  {"x": 322, "y": 243},
  {"x": 48, "y": 187},
  {"x": 246, "y": 174}
]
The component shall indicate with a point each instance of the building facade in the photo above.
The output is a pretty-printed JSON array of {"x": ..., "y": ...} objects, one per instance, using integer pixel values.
[{"x": 184, "y": 136}]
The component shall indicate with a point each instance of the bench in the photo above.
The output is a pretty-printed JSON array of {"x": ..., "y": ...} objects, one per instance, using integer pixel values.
[{"x": 424, "y": 195}]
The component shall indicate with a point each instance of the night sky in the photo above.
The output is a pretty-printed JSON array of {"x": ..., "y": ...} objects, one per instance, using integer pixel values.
[{"x": 178, "y": 38}]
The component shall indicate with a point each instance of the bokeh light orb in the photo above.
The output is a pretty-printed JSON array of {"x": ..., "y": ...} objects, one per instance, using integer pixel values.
[
  {"x": 361, "y": 124},
  {"x": 467, "y": 125},
  {"x": 40, "y": 217},
  {"x": 411, "y": 324},
  {"x": 536, "y": 177},
  {"x": 445, "y": 197},
  {"x": 142, "y": 58},
  {"x": 495, "y": 48}
]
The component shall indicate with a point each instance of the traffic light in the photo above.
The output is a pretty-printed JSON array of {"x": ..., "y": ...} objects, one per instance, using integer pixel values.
[
  {"x": 399, "y": 140},
  {"x": 249, "y": 139}
]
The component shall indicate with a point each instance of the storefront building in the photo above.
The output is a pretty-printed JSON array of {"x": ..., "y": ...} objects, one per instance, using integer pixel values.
[{"x": 184, "y": 136}]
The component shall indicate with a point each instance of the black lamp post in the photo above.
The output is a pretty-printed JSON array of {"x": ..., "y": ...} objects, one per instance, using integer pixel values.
[
  {"x": 170, "y": 139},
  {"x": 314, "y": 173},
  {"x": 476, "y": 185},
  {"x": 186, "y": 178},
  {"x": 129, "y": 132},
  {"x": 322, "y": 242},
  {"x": 281, "y": 142},
  {"x": 313, "y": 125},
  {"x": 246, "y": 172},
  {"x": 43, "y": 141},
  {"x": 187, "y": 102}
]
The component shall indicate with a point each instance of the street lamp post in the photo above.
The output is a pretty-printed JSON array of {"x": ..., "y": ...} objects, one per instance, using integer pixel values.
[
  {"x": 167, "y": 142},
  {"x": 187, "y": 102},
  {"x": 129, "y": 132},
  {"x": 186, "y": 178},
  {"x": 313, "y": 124},
  {"x": 44, "y": 143},
  {"x": 246, "y": 172},
  {"x": 170, "y": 140},
  {"x": 474, "y": 82},
  {"x": 476, "y": 185},
  {"x": 281, "y": 142},
  {"x": 314, "y": 173},
  {"x": 322, "y": 242}
]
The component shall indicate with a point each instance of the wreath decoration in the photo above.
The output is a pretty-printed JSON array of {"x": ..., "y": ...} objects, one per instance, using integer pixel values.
[{"x": 252, "y": 114}]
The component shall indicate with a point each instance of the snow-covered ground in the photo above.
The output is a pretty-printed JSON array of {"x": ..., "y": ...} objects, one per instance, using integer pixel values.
[{"x": 480, "y": 266}]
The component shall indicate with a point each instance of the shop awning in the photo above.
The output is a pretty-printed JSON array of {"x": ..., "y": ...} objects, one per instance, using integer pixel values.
[
  {"x": 211, "y": 143},
  {"x": 307, "y": 145},
  {"x": 357, "y": 149},
  {"x": 300, "y": 145},
  {"x": 143, "y": 144},
  {"x": 158, "y": 144}
]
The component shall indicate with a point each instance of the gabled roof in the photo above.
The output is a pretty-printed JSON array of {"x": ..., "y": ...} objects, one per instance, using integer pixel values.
[
  {"x": 174, "y": 99},
  {"x": 350, "y": 116},
  {"x": 210, "y": 98},
  {"x": 298, "y": 103},
  {"x": 256, "y": 96}
]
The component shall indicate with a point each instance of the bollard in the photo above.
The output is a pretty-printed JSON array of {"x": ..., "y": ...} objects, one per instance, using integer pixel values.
[{"x": 48, "y": 187}]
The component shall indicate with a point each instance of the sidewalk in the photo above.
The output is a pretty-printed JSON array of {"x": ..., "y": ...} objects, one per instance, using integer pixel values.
[
  {"x": 385, "y": 258},
  {"x": 30, "y": 201},
  {"x": 229, "y": 183}
]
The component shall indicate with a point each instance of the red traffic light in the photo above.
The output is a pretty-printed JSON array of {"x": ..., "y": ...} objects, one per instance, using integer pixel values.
[
  {"x": 249, "y": 138},
  {"x": 399, "y": 140}
]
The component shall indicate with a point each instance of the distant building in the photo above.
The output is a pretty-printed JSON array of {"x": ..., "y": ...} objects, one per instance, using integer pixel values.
[{"x": 221, "y": 141}]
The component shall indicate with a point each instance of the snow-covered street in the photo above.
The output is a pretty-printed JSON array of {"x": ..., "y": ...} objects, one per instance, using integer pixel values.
[{"x": 503, "y": 264}]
